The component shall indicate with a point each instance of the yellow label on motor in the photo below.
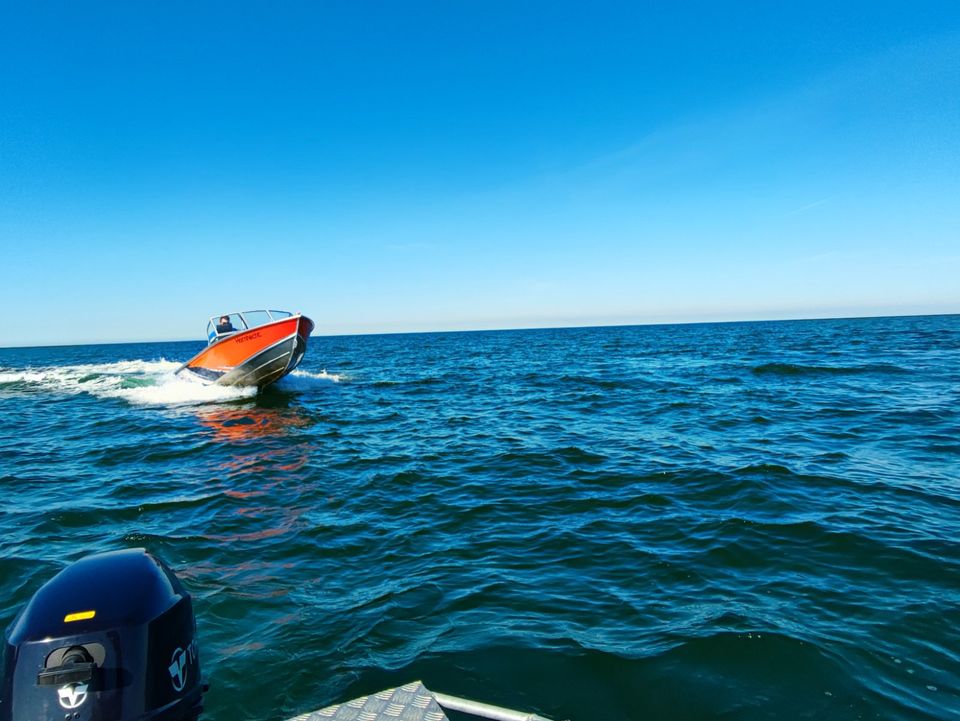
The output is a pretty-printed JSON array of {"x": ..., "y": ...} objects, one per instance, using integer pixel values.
[{"x": 79, "y": 616}]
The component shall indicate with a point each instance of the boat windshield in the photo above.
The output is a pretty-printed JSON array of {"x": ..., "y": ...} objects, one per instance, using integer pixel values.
[{"x": 226, "y": 324}]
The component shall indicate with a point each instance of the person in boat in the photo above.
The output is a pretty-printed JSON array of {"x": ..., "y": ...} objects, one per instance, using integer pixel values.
[{"x": 225, "y": 326}]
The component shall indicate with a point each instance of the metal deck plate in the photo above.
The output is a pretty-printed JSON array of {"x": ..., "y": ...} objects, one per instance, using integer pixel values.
[{"x": 411, "y": 702}]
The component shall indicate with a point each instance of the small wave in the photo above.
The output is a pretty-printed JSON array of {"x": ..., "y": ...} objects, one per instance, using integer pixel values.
[
  {"x": 574, "y": 454},
  {"x": 300, "y": 380},
  {"x": 410, "y": 383},
  {"x": 765, "y": 469},
  {"x": 794, "y": 369},
  {"x": 604, "y": 383}
]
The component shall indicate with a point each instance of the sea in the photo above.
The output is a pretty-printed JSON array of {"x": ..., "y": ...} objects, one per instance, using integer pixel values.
[{"x": 711, "y": 521}]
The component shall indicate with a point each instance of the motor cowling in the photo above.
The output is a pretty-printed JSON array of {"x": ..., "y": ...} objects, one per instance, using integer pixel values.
[{"x": 112, "y": 637}]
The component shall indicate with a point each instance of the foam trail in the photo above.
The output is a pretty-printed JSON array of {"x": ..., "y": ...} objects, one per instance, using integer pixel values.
[
  {"x": 137, "y": 381},
  {"x": 177, "y": 390}
]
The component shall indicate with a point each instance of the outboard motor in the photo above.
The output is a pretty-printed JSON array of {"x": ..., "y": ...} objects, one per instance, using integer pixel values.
[{"x": 112, "y": 637}]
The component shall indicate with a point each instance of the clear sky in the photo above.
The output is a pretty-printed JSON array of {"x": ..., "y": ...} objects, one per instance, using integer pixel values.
[{"x": 391, "y": 166}]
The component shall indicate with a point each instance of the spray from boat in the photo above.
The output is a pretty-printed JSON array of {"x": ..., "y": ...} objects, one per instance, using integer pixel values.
[{"x": 143, "y": 383}]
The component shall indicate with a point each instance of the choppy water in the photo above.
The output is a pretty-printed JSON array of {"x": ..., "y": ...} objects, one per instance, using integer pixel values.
[{"x": 739, "y": 521}]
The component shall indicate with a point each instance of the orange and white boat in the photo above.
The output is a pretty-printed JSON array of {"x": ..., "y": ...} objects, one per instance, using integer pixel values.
[{"x": 252, "y": 348}]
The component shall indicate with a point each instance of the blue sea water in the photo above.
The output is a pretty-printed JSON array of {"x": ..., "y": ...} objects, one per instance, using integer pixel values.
[{"x": 720, "y": 521}]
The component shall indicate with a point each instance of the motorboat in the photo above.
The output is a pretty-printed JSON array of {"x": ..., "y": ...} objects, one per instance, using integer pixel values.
[{"x": 252, "y": 348}]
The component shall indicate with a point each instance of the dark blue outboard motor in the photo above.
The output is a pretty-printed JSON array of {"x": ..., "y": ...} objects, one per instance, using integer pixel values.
[{"x": 110, "y": 638}]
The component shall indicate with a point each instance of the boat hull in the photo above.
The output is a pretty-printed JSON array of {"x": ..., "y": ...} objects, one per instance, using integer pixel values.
[{"x": 256, "y": 357}]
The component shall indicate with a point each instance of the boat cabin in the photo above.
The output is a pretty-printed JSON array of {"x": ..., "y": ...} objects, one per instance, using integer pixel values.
[{"x": 220, "y": 326}]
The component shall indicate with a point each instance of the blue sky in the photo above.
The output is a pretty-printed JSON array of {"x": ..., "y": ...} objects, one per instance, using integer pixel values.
[{"x": 429, "y": 166}]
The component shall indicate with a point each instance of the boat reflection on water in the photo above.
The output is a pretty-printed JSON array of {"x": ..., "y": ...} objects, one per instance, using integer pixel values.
[
  {"x": 258, "y": 477},
  {"x": 233, "y": 424},
  {"x": 264, "y": 451},
  {"x": 261, "y": 442}
]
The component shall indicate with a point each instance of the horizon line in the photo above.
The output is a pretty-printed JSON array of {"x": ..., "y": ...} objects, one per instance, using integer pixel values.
[{"x": 510, "y": 329}]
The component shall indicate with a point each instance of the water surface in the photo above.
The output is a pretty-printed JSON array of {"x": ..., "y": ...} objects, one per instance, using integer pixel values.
[{"x": 725, "y": 521}]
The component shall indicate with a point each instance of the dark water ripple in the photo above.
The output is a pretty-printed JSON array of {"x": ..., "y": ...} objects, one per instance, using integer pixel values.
[{"x": 739, "y": 521}]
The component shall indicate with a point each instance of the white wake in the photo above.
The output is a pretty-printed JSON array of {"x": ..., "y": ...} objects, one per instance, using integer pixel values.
[
  {"x": 137, "y": 381},
  {"x": 149, "y": 383}
]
